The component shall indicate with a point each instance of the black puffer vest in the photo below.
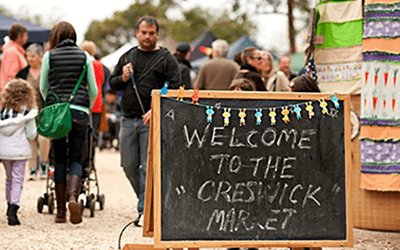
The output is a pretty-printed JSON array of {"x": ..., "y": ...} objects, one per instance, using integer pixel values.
[{"x": 66, "y": 64}]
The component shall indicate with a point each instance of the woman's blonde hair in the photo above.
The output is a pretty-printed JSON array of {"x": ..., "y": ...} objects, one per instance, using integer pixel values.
[
  {"x": 89, "y": 46},
  {"x": 18, "y": 95}
]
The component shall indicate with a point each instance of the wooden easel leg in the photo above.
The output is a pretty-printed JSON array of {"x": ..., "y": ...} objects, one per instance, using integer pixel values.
[
  {"x": 182, "y": 248},
  {"x": 311, "y": 248}
]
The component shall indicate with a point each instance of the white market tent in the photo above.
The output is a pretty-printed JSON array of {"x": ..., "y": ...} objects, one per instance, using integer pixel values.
[{"x": 112, "y": 59}]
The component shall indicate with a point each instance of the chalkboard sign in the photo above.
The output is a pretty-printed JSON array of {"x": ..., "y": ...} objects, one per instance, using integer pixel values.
[{"x": 224, "y": 175}]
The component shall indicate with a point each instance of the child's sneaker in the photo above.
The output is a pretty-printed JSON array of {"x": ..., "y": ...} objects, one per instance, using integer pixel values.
[{"x": 32, "y": 174}]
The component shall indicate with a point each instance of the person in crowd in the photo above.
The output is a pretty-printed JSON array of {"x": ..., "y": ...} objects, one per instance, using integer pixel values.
[
  {"x": 242, "y": 84},
  {"x": 101, "y": 73},
  {"x": 303, "y": 83},
  {"x": 251, "y": 64},
  {"x": 13, "y": 58},
  {"x": 274, "y": 79},
  {"x": 31, "y": 74},
  {"x": 151, "y": 67},
  {"x": 113, "y": 115},
  {"x": 284, "y": 66},
  {"x": 17, "y": 126},
  {"x": 218, "y": 73},
  {"x": 182, "y": 55},
  {"x": 62, "y": 66},
  {"x": 91, "y": 48},
  {"x": 238, "y": 58}
]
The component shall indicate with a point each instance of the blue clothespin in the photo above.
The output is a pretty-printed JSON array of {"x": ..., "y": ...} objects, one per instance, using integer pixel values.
[
  {"x": 164, "y": 89},
  {"x": 335, "y": 100}
]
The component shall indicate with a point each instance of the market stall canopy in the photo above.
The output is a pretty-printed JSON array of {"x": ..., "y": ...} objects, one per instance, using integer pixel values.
[
  {"x": 112, "y": 59},
  {"x": 239, "y": 45},
  {"x": 204, "y": 40},
  {"x": 36, "y": 33}
]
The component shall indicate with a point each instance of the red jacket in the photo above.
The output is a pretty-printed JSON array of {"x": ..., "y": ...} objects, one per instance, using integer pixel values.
[{"x": 99, "y": 75}]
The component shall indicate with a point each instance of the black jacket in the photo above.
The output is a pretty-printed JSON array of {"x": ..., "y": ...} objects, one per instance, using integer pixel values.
[
  {"x": 164, "y": 67},
  {"x": 249, "y": 72},
  {"x": 67, "y": 62},
  {"x": 184, "y": 69}
]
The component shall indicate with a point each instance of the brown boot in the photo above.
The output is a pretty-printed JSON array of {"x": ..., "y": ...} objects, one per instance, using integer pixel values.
[
  {"x": 61, "y": 200},
  {"x": 74, "y": 188}
]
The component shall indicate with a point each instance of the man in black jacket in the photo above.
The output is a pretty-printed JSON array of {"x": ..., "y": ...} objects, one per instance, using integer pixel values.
[{"x": 150, "y": 66}]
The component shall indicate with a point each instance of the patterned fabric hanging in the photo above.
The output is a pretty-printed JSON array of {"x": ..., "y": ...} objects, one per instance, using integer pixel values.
[
  {"x": 338, "y": 53},
  {"x": 380, "y": 116}
]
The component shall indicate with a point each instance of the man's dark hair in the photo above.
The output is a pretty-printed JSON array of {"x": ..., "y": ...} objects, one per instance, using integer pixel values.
[
  {"x": 150, "y": 20},
  {"x": 238, "y": 58}
]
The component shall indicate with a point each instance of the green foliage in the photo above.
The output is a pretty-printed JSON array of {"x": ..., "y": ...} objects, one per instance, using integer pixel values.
[
  {"x": 269, "y": 6},
  {"x": 3, "y": 10},
  {"x": 111, "y": 33},
  {"x": 232, "y": 29}
]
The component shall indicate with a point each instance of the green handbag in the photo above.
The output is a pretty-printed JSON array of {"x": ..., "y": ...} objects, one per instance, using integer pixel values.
[{"x": 55, "y": 121}]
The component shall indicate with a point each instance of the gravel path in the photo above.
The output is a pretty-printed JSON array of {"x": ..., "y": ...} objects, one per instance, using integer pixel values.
[{"x": 38, "y": 231}]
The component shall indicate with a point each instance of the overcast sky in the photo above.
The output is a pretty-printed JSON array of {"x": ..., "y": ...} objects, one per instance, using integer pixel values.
[{"x": 272, "y": 29}]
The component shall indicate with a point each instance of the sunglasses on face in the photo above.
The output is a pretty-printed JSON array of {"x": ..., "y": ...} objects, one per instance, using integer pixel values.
[{"x": 258, "y": 58}]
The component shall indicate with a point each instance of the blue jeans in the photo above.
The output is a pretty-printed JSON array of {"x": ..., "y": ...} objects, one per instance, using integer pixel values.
[
  {"x": 133, "y": 139},
  {"x": 69, "y": 150}
]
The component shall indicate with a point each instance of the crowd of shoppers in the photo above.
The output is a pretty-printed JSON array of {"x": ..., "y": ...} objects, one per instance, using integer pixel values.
[{"x": 140, "y": 70}]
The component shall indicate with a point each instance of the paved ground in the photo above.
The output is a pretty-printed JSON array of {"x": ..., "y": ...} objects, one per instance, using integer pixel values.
[{"x": 38, "y": 231}]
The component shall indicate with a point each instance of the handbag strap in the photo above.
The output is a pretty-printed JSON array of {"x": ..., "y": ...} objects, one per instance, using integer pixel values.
[{"x": 78, "y": 84}]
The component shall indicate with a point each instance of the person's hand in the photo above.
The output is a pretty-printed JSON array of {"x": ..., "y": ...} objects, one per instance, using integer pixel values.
[
  {"x": 125, "y": 72},
  {"x": 146, "y": 117}
]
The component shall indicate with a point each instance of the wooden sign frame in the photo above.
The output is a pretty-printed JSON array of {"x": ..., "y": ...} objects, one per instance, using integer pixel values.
[{"x": 153, "y": 220}]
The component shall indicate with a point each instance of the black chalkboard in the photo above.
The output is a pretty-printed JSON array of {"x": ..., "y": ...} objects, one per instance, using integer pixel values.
[{"x": 252, "y": 182}]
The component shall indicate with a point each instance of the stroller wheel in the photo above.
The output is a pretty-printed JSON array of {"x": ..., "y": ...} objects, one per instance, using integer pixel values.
[
  {"x": 82, "y": 205},
  {"x": 92, "y": 206},
  {"x": 102, "y": 201},
  {"x": 51, "y": 203},
  {"x": 40, "y": 203}
]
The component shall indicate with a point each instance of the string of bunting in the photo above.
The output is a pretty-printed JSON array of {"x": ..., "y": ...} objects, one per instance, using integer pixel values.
[{"x": 295, "y": 109}]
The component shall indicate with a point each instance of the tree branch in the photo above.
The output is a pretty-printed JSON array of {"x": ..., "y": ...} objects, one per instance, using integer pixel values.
[{"x": 270, "y": 12}]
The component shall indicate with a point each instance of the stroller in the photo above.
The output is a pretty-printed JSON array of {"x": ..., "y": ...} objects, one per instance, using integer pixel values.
[
  {"x": 87, "y": 199},
  {"x": 89, "y": 178}
]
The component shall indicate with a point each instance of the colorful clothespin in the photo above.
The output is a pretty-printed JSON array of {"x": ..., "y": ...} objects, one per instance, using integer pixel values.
[
  {"x": 272, "y": 115},
  {"x": 180, "y": 93},
  {"x": 242, "y": 116},
  {"x": 285, "y": 112},
  {"x": 309, "y": 108},
  {"x": 209, "y": 113},
  {"x": 335, "y": 100},
  {"x": 323, "y": 104},
  {"x": 226, "y": 116},
  {"x": 195, "y": 96},
  {"x": 258, "y": 116},
  {"x": 164, "y": 89},
  {"x": 297, "y": 111}
]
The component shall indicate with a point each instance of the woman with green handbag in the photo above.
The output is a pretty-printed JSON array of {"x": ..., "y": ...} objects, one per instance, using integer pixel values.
[{"x": 64, "y": 79}]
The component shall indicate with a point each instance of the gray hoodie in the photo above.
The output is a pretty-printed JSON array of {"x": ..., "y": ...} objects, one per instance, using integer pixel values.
[{"x": 16, "y": 129}]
